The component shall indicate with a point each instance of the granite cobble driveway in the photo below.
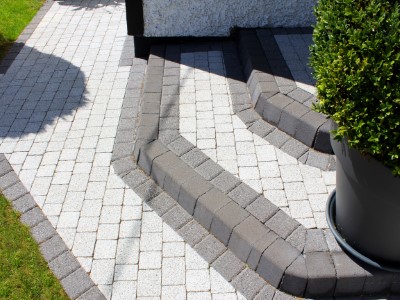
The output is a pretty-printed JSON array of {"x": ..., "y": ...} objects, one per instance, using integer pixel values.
[{"x": 61, "y": 102}]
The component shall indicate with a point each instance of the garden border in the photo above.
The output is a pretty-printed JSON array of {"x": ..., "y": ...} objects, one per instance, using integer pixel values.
[
  {"x": 24, "y": 36},
  {"x": 64, "y": 265}
]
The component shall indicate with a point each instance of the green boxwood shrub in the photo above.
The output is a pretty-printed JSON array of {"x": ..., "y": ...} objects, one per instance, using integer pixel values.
[{"x": 356, "y": 62}]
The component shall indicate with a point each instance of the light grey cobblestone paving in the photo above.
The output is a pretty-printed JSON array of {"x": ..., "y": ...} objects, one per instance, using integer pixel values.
[
  {"x": 208, "y": 122},
  {"x": 295, "y": 50},
  {"x": 61, "y": 105}
]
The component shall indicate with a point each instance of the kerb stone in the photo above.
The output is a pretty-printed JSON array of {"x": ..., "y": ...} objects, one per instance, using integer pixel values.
[
  {"x": 274, "y": 261},
  {"x": 207, "y": 205},
  {"x": 225, "y": 219},
  {"x": 245, "y": 236}
]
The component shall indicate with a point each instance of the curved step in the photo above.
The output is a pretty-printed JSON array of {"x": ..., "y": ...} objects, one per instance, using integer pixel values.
[
  {"x": 299, "y": 261},
  {"x": 274, "y": 93}
]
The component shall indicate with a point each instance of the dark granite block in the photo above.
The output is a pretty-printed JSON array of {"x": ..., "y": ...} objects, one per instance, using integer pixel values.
[
  {"x": 245, "y": 236},
  {"x": 321, "y": 274},
  {"x": 274, "y": 261},
  {"x": 225, "y": 219},
  {"x": 208, "y": 204}
]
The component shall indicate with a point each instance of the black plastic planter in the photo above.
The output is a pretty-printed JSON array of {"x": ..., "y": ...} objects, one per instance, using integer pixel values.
[{"x": 367, "y": 208}]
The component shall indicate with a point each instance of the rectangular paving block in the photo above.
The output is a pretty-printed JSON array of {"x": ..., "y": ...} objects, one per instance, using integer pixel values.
[
  {"x": 249, "y": 283},
  {"x": 243, "y": 195},
  {"x": 43, "y": 231},
  {"x": 176, "y": 217},
  {"x": 277, "y": 138},
  {"x": 290, "y": 117},
  {"x": 208, "y": 204},
  {"x": 225, "y": 182},
  {"x": 321, "y": 160},
  {"x": 194, "y": 157},
  {"x": 191, "y": 190},
  {"x": 322, "y": 140},
  {"x": 209, "y": 169},
  {"x": 245, "y": 236},
  {"x": 225, "y": 220},
  {"x": 321, "y": 274},
  {"x": 122, "y": 150},
  {"x": 148, "y": 153},
  {"x": 161, "y": 165},
  {"x": 262, "y": 209},
  {"x": 192, "y": 233},
  {"x": 123, "y": 166},
  {"x": 15, "y": 191},
  {"x": 273, "y": 108},
  {"x": 168, "y": 136},
  {"x": 151, "y": 98},
  {"x": 210, "y": 248},
  {"x": 52, "y": 248},
  {"x": 175, "y": 177},
  {"x": 294, "y": 148},
  {"x": 298, "y": 238},
  {"x": 5, "y": 168},
  {"x": 77, "y": 283},
  {"x": 315, "y": 241},
  {"x": 180, "y": 146},
  {"x": 261, "y": 128},
  {"x": 248, "y": 116},
  {"x": 350, "y": 276},
  {"x": 32, "y": 217},
  {"x": 295, "y": 279},
  {"x": 64, "y": 265},
  {"x": 274, "y": 261},
  {"x": 228, "y": 265},
  {"x": 148, "y": 190},
  {"x": 162, "y": 203},
  {"x": 308, "y": 127},
  {"x": 135, "y": 178},
  {"x": 147, "y": 132},
  {"x": 150, "y": 108},
  {"x": 24, "y": 203},
  {"x": 259, "y": 248},
  {"x": 266, "y": 293},
  {"x": 282, "y": 224},
  {"x": 93, "y": 293}
]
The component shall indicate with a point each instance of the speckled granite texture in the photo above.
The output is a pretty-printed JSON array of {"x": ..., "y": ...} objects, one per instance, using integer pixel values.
[{"x": 168, "y": 18}]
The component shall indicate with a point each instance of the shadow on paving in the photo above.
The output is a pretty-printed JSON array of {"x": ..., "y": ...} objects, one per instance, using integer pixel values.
[
  {"x": 89, "y": 4},
  {"x": 36, "y": 90}
]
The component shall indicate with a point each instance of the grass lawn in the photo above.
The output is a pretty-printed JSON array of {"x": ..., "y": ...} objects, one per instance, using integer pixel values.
[
  {"x": 24, "y": 273},
  {"x": 14, "y": 16}
]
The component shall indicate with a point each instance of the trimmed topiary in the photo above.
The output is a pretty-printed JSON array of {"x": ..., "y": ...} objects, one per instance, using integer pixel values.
[{"x": 356, "y": 62}]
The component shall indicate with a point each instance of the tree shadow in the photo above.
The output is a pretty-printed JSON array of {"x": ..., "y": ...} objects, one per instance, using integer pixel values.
[
  {"x": 36, "y": 91},
  {"x": 89, "y": 4}
]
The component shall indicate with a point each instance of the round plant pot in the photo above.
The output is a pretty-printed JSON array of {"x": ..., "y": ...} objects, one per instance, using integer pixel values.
[{"x": 367, "y": 205}]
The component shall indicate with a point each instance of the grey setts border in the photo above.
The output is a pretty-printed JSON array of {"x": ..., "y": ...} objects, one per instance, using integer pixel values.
[
  {"x": 274, "y": 93},
  {"x": 295, "y": 260},
  {"x": 213, "y": 251},
  {"x": 24, "y": 36},
  {"x": 73, "y": 278},
  {"x": 75, "y": 281}
]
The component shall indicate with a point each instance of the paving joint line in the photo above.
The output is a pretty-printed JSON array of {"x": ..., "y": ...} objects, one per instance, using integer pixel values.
[
  {"x": 186, "y": 226},
  {"x": 63, "y": 264},
  {"x": 281, "y": 103},
  {"x": 24, "y": 36},
  {"x": 286, "y": 262}
]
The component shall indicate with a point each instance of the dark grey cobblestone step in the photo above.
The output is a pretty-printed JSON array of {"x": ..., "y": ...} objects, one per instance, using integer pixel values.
[
  {"x": 274, "y": 93},
  {"x": 281, "y": 251}
]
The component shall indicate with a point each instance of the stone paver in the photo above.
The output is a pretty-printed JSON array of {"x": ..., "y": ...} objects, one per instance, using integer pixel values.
[
  {"x": 208, "y": 122},
  {"x": 61, "y": 105}
]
